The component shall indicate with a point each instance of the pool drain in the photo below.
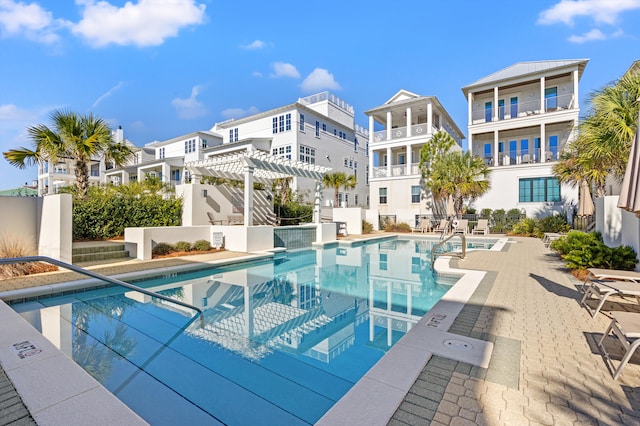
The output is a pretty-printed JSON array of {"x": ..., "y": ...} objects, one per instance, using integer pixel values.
[{"x": 458, "y": 345}]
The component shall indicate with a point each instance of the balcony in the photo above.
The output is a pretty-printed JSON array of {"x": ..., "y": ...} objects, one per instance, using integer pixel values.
[
  {"x": 519, "y": 158},
  {"x": 397, "y": 170},
  {"x": 523, "y": 109},
  {"x": 401, "y": 132}
]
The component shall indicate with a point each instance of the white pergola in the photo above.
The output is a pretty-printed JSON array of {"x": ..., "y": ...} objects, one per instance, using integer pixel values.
[{"x": 258, "y": 166}]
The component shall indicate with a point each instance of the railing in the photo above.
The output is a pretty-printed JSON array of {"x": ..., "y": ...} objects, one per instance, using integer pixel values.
[
  {"x": 396, "y": 170},
  {"x": 401, "y": 132},
  {"x": 521, "y": 158},
  {"x": 523, "y": 109},
  {"x": 28, "y": 259},
  {"x": 462, "y": 254}
]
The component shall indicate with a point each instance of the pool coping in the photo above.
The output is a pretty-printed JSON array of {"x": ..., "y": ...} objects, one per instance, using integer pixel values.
[{"x": 55, "y": 389}]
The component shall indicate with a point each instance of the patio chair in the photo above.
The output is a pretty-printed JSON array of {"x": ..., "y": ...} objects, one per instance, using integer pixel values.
[
  {"x": 462, "y": 228},
  {"x": 443, "y": 226},
  {"x": 602, "y": 290},
  {"x": 213, "y": 220},
  {"x": 482, "y": 227},
  {"x": 626, "y": 327},
  {"x": 423, "y": 226}
]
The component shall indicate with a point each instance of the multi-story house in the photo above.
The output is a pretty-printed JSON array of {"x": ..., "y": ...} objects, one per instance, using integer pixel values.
[
  {"x": 165, "y": 159},
  {"x": 318, "y": 130},
  {"x": 520, "y": 119},
  {"x": 408, "y": 122}
]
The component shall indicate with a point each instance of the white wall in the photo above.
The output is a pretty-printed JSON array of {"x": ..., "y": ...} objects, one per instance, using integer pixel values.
[
  {"x": 141, "y": 241},
  {"x": 352, "y": 216},
  {"x": 609, "y": 220},
  {"x": 20, "y": 220},
  {"x": 56, "y": 227}
]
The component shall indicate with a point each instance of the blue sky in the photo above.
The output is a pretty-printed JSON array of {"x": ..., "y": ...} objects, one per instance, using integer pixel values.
[{"x": 163, "y": 68}]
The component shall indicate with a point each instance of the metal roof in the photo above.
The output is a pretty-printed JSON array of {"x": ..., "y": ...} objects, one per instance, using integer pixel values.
[
  {"x": 266, "y": 167},
  {"x": 521, "y": 69}
]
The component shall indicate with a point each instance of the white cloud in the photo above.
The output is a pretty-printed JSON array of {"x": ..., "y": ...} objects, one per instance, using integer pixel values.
[
  {"x": 28, "y": 20},
  {"x": 283, "y": 69},
  {"x": 144, "y": 23},
  {"x": 256, "y": 74},
  {"x": 11, "y": 113},
  {"x": 594, "y": 34},
  {"x": 108, "y": 93},
  {"x": 601, "y": 11},
  {"x": 319, "y": 79},
  {"x": 190, "y": 107},
  {"x": 239, "y": 112},
  {"x": 256, "y": 45}
]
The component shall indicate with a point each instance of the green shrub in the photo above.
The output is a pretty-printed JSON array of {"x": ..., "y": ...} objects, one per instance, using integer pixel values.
[
  {"x": 526, "y": 227},
  {"x": 202, "y": 245},
  {"x": 581, "y": 250},
  {"x": 163, "y": 248},
  {"x": 367, "y": 227},
  {"x": 183, "y": 246},
  {"x": 554, "y": 223},
  {"x": 293, "y": 213}
]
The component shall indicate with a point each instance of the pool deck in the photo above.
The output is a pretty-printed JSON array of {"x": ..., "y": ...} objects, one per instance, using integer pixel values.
[{"x": 544, "y": 367}]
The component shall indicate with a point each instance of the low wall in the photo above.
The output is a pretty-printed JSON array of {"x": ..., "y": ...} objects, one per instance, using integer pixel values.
[
  {"x": 246, "y": 239},
  {"x": 609, "y": 220}
]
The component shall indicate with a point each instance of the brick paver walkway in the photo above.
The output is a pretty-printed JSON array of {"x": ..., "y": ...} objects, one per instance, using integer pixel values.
[{"x": 545, "y": 369}]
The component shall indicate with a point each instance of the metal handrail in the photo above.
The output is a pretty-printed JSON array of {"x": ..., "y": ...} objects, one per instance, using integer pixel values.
[
  {"x": 27, "y": 259},
  {"x": 464, "y": 247}
]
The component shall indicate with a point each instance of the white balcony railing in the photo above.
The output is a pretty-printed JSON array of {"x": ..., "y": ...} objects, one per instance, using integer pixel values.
[
  {"x": 517, "y": 158},
  {"x": 523, "y": 109},
  {"x": 401, "y": 132}
]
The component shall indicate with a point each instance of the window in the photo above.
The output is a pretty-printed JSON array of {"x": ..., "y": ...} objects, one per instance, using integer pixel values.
[
  {"x": 543, "y": 189},
  {"x": 524, "y": 146},
  {"x": 287, "y": 124},
  {"x": 281, "y": 127},
  {"x": 553, "y": 147},
  {"x": 161, "y": 153},
  {"x": 401, "y": 159},
  {"x": 355, "y": 199},
  {"x": 233, "y": 135},
  {"x": 307, "y": 154},
  {"x": 415, "y": 194},
  {"x": 317, "y": 129},
  {"x": 536, "y": 149},
  {"x": 355, "y": 165},
  {"x": 488, "y": 111},
  {"x": 551, "y": 98},
  {"x": 415, "y": 265},
  {"x": 513, "y": 151},
  {"x": 355, "y": 145},
  {"x": 346, "y": 199},
  {"x": 346, "y": 162},
  {"x": 383, "y": 195},
  {"x": 324, "y": 127},
  {"x": 275, "y": 125},
  {"x": 302, "y": 122},
  {"x": 514, "y": 106},
  {"x": 204, "y": 143},
  {"x": 189, "y": 146},
  {"x": 175, "y": 175},
  {"x": 335, "y": 132},
  {"x": 501, "y": 109},
  {"x": 282, "y": 151},
  {"x": 366, "y": 177},
  {"x": 487, "y": 153},
  {"x": 383, "y": 261}
]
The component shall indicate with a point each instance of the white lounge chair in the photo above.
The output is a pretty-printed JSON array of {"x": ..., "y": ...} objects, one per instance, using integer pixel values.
[
  {"x": 482, "y": 227},
  {"x": 423, "y": 226},
  {"x": 462, "y": 228},
  {"x": 443, "y": 226},
  {"x": 603, "y": 289},
  {"x": 609, "y": 274},
  {"x": 626, "y": 327}
]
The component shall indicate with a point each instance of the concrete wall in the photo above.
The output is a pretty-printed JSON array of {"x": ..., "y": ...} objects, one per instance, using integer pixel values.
[
  {"x": 141, "y": 241},
  {"x": 352, "y": 216},
  {"x": 609, "y": 220},
  {"x": 246, "y": 239},
  {"x": 43, "y": 224}
]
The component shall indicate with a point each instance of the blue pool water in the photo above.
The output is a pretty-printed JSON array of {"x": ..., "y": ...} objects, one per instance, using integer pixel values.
[{"x": 281, "y": 342}]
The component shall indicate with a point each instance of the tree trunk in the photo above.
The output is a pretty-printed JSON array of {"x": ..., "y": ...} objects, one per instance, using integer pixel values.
[{"x": 82, "y": 177}]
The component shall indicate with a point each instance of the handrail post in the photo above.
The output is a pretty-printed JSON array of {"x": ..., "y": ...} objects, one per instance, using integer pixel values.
[{"x": 439, "y": 244}]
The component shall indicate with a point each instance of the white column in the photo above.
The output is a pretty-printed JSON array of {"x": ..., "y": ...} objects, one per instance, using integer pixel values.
[
  {"x": 51, "y": 189},
  {"x": 576, "y": 98},
  {"x": 389, "y": 125},
  {"x": 408, "y": 122},
  {"x": 429, "y": 118},
  {"x": 543, "y": 144},
  {"x": 542, "y": 109},
  {"x": 470, "y": 107},
  {"x": 248, "y": 196},
  {"x": 371, "y": 130},
  {"x": 496, "y": 154},
  {"x": 495, "y": 103},
  {"x": 470, "y": 144},
  {"x": 102, "y": 169},
  {"x": 389, "y": 161},
  {"x": 317, "y": 204},
  {"x": 409, "y": 159},
  {"x": 371, "y": 155}
]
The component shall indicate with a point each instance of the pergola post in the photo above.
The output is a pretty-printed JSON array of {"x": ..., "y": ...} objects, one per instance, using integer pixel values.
[
  {"x": 317, "y": 204},
  {"x": 248, "y": 196}
]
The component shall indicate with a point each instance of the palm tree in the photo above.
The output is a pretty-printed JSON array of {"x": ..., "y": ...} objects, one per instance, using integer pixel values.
[
  {"x": 339, "y": 180},
  {"x": 461, "y": 175},
  {"x": 72, "y": 136}
]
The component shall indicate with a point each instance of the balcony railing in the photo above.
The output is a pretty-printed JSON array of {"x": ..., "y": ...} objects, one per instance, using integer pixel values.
[
  {"x": 401, "y": 132},
  {"x": 510, "y": 159},
  {"x": 523, "y": 109},
  {"x": 396, "y": 170}
]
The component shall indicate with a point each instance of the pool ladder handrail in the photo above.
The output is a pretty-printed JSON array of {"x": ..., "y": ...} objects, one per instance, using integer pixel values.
[
  {"x": 74, "y": 268},
  {"x": 434, "y": 252}
]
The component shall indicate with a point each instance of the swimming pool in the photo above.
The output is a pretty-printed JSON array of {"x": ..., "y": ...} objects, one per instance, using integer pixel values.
[{"x": 282, "y": 340}]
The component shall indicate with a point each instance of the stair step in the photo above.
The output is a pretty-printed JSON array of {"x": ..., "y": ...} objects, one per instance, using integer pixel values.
[
  {"x": 105, "y": 255},
  {"x": 98, "y": 249}
]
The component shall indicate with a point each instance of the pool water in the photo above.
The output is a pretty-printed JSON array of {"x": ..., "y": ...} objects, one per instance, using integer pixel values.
[{"x": 280, "y": 341}]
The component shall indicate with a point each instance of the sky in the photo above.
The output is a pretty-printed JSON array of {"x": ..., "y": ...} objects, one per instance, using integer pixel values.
[{"x": 164, "y": 68}]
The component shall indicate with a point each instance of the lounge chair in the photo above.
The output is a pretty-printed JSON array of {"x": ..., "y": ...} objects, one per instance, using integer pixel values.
[
  {"x": 550, "y": 237},
  {"x": 609, "y": 274},
  {"x": 482, "y": 227},
  {"x": 423, "y": 226},
  {"x": 626, "y": 327},
  {"x": 462, "y": 228},
  {"x": 603, "y": 289},
  {"x": 213, "y": 220},
  {"x": 443, "y": 226}
]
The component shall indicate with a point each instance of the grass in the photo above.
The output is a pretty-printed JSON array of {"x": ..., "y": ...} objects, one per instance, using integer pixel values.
[{"x": 15, "y": 247}]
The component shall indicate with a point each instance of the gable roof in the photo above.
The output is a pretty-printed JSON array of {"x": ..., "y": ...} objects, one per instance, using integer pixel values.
[{"x": 522, "y": 69}]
